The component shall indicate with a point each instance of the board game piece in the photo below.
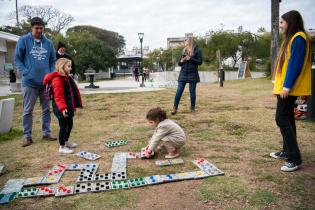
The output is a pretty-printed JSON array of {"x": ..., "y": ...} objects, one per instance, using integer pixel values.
[
  {"x": 120, "y": 185},
  {"x": 208, "y": 167},
  {"x": 83, "y": 187},
  {"x": 201, "y": 174},
  {"x": 102, "y": 177},
  {"x": 6, "y": 198},
  {"x": 169, "y": 177},
  {"x": 176, "y": 161},
  {"x": 88, "y": 155},
  {"x": 133, "y": 155},
  {"x": 101, "y": 186},
  {"x": 13, "y": 185},
  {"x": 64, "y": 191},
  {"x": 186, "y": 175},
  {"x": 111, "y": 144},
  {"x": 75, "y": 167},
  {"x": 119, "y": 175},
  {"x": 33, "y": 181},
  {"x": 155, "y": 179},
  {"x": 28, "y": 192},
  {"x": 137, "y": 182},
  {"x": 162, "y": 162},
  {"x": 46, "y": 191}
]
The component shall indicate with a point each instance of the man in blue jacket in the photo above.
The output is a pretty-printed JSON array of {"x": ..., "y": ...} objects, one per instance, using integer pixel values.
[{"x": 34, "y": 58}]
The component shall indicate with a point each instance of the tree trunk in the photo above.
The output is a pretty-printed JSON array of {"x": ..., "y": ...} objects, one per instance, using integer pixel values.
[{"x": 274, "y": 34}]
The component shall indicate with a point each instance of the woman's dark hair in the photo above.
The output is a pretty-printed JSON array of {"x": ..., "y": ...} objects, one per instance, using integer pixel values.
[
  {"x": 156, "y": 114},
  {"x": 37, "y": 21},
  {"x": 295, "y": 24}
]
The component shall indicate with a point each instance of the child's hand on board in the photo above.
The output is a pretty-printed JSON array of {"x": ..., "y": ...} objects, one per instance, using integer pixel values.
[
  {"x": 147, "y": 152},
  {"x": 65, "y": 113}
]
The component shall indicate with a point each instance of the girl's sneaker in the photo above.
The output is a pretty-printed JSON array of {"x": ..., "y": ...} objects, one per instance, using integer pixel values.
[
  {"x": 171, "y": 155},
  {"x": 289, "y": 166},
  {"x": 279, "y": 155},
  {"x": 70, "y": 144},
  {"x": 65, "y": 150}
]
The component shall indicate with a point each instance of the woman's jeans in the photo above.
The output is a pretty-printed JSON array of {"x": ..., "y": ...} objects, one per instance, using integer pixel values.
[{"x": 180, "y": 90}]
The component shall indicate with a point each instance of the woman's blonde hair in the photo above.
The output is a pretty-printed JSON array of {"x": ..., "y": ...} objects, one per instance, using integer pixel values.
[
  {"x": 189, "y": 49},
  {"x": 60, "y": 65}
]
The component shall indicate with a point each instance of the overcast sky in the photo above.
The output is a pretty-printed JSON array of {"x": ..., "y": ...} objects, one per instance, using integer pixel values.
[{"x": 160, "y": 19}]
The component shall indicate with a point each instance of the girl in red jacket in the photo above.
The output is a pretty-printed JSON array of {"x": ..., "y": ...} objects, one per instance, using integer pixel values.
[{"x": 65, "y": 99}]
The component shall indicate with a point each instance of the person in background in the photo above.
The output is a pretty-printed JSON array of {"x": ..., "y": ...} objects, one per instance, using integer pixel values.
[
  {"x": 61, "y": 53},
  {"x": 189, "y": 62}
]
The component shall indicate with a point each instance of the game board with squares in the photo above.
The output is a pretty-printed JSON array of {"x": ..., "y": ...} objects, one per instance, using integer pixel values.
[
  {"x": 28, "y": 192},
  {"x": 111, "y": 144},
  {"x": 88, "y": 155},
  {"x": 64, "y": 191}
]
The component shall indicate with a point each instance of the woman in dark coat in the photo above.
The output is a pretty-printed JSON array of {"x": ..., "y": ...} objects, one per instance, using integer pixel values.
[{"x": 189, "y": 62}]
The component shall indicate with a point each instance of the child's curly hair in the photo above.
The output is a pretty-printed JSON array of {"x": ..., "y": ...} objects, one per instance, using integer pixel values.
[{"x": 156, "y": 114}]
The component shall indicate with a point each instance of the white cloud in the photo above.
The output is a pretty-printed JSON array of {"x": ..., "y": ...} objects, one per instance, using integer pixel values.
[{"x": 159, "y": 19}]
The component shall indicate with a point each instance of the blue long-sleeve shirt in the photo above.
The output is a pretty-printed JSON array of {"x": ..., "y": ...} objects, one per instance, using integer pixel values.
[
  {"x": 298, "y": 52},
  {"x": 34, "y": 59}
]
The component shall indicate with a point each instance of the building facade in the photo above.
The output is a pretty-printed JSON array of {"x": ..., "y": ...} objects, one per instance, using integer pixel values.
[{"x": 7, "y": 48}]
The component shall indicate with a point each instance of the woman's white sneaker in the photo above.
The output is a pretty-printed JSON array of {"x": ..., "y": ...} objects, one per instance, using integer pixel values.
[
  {"x": 65, "y": 150},
  {"x": 70, "y": 144}
]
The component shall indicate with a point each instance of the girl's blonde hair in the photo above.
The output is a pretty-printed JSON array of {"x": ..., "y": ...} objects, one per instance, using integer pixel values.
[
  {"x": 189, "y": 49},
  {"x": 60, "y": 65}
]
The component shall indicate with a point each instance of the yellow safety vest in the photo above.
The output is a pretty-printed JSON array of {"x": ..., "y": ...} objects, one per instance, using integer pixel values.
[{"x": 302, "y": 86}]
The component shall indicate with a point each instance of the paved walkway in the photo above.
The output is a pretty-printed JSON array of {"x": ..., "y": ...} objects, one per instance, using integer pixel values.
[{"x": 109, "y": 86}]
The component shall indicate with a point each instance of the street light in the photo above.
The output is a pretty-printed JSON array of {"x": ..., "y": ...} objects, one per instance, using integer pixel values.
[{"x": 141, "y": 35}]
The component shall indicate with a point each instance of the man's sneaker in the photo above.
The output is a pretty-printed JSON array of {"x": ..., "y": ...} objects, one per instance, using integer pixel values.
[
  {"x": 288, "y": 167},
  {"x": 27, "y": 142},
  {"x": 65, "y": 150},
  {"x": 49, "y": 137},
  {"x": 279, "y": 155},
  {"x": 69, "y": 144}
]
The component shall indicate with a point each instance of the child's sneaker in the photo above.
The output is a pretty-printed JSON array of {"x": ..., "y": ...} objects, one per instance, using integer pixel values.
[
  {"x": 288, "y": 167},
  {"x": 65, "y": 150},
  {"x": 171, "y": 155},
  {"x": 279, "y": 155},
  {"x": 70, "y": 144}
]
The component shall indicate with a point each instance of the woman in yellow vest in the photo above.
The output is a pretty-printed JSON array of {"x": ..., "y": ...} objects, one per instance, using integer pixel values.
[{"x": 292, "y": 79}]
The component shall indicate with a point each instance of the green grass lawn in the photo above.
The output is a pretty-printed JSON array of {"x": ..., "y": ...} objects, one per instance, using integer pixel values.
[{"x": 233, "y": 128}]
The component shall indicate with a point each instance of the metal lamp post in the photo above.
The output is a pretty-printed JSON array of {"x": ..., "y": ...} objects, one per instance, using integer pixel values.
[{"x": 141, "y": 35}]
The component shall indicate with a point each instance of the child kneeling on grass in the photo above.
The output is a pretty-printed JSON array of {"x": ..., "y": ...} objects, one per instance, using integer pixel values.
[
  {"x": 65, "y": 99},
  {"x": 166, "y": 134}
]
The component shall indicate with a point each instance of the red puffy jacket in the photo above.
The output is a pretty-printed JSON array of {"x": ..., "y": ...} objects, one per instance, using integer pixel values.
[{"x": 57, "y": 81}]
